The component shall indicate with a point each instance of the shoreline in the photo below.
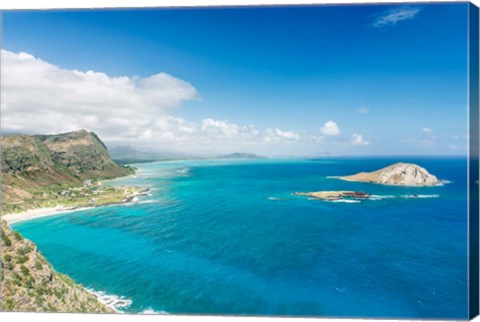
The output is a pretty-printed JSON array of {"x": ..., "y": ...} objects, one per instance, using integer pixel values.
[
  {"x": 30, "y": 214},
  {"x": 40, "y": 212},
  {"x": 112, "y": 301}
]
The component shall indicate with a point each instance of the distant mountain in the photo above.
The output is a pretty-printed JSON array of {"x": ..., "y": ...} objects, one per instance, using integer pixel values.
[
  {"x": 323, "y": 154},
  {"x": 238, "y": 155},
  {"x": 126, "y": 154},
  {"x": 34, "y": 161}
]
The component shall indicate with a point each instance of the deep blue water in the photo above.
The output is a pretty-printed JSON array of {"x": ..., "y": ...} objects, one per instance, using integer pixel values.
[{"x": 228, "y": 237}]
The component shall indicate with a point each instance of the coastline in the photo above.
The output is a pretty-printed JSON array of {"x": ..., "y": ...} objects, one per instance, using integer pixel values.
[
  {"x": 112, "y": 301},
  {"x": 39, "y": 213},
  {"x": 58, "y": 210}
]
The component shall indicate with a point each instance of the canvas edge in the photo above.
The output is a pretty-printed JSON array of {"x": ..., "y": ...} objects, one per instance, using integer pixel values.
[{"x": 473, "y": 161}]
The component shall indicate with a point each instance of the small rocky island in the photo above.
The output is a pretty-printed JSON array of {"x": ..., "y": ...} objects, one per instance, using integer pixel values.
[
  {"x": 334, "y": 195},
  {"x": 401, "y": 174}
]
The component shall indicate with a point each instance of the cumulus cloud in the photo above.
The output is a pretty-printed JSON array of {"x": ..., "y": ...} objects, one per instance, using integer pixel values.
[
  {"x": 42, "y": 97},
  {"x": 39, "y": 97},
  {"x": 330, "y": 128},
  {"x": 226, "y": 129},
  {"x": 316, "y": 138},
  {"x": 357, "y": 139},
  {"x": 427, "y": 130},
  {"x": 362, "y": 110},
  {"x": 392, "y": 17},
  {"x": 277, "y": 135}
]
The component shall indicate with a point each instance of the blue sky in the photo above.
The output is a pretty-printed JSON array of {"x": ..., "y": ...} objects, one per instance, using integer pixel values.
[{"x": 365, "y": 79}]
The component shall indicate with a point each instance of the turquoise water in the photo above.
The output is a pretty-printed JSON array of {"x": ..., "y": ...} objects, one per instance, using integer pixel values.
[{"x": 228, "y": 237}]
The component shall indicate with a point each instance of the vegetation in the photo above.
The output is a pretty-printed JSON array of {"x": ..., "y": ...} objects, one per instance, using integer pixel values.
[
  {"x": 58, "y": 170},
  {"x": 90, "y": 195},
  {"x": 47, "y": 171},
  {"x": 29, "y": 283},
  {"x": 36, "y": 169}
]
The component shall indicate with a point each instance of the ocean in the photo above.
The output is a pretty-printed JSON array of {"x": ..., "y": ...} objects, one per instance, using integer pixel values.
[{"x": 228, "y": 237}]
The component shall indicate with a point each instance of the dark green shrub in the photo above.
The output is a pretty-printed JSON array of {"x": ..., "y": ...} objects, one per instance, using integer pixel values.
[
  {"x": 38, "y": 265},
  {"x": 25, "y": 270},
  {"x": 17, "y": 235},
  {"x": 7, "y": 241},
  {"x": 22, "y": 259},
  {"x": 25, "y": 250},
  {"x": 9, "y": 305}
]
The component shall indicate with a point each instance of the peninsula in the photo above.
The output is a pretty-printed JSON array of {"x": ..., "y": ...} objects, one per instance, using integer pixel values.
[{"x": 43, "y": 171}]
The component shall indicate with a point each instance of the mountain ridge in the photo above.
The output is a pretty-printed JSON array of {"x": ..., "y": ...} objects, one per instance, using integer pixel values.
[{"x": 29, "y": 162}]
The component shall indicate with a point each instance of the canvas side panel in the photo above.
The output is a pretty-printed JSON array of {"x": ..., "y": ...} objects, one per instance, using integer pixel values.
[{"x": 473, "y": 74}]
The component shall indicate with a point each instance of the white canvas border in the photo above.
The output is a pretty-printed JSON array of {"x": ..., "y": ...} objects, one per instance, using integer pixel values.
[{"x": 72, "y": 4}]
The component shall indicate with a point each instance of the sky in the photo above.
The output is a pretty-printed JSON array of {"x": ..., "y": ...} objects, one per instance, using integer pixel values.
[{"x": 277, "y": 81}]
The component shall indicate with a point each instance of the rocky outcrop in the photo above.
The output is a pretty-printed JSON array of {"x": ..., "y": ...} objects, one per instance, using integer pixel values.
[
  {"x": 29, "y": 283},
  {"x": 334, "y": 195},
  {"x": 402, "y": 174},
  {"x": 83, "y": 153}
]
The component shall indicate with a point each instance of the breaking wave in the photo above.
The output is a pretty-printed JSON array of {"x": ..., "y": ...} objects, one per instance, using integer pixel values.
[
  {"x": 183, "y": 170},
  {"x": 419, "y": 196},
  {"x": 149, "y": 310},
  {"x": 378, "y": 197},
  {"x": 346, "y": 200},
  {"x": 115, "y": 302}
]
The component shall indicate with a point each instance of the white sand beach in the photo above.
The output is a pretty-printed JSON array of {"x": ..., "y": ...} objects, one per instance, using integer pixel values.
[
  {"x": 38, "y": 213},
  {"x": 57, "y": 210}
]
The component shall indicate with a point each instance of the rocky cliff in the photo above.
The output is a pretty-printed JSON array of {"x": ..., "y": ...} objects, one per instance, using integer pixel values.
[
  {"x": 35, "y": 168},
  {"x": 31, "y": 162},
  {"x": 403, "y": 174},
  {"x": 83, "y": 153},
  {"x": 29, "y": 282}
]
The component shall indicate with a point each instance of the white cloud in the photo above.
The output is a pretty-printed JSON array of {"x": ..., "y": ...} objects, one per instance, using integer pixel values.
[
  {"x": 330, "y": 128},
  {"x": 457, "y": 147},
  {"x": 226, "y": 130},
  {"x": 357, "y": 139},
  {"x": 392, "y": 17},
  {"x": 44, "y": 98},
  {"x": 277, "y": 135},
  {"x": 427, "y": 130},
  {"x": 362, "y": 110},
  {"x": 317, "y": 139},
  {"x": 39, "y": 97}
]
